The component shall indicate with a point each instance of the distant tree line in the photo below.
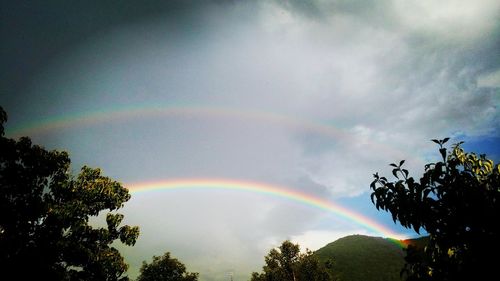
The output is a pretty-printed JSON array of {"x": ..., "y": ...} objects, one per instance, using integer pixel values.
[{"x": 287, "y": 263}]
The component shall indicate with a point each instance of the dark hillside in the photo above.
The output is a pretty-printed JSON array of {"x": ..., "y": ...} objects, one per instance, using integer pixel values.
[{"x": 364, "y": 258}]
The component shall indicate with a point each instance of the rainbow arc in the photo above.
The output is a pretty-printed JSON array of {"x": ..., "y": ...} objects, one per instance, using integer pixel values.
[{"x": 270, "y": 190}]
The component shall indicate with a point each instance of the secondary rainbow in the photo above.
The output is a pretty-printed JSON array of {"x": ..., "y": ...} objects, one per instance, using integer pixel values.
[
  {"x": 123, "y": 114},
  {"x": 90, "y": 118},
  {"x": 266, "y": 189}
]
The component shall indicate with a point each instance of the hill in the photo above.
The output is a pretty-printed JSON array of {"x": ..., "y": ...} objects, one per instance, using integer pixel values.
[{"x": 364, "y": 258}]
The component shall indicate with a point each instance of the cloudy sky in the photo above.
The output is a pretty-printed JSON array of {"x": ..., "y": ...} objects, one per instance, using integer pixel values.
[{"x": 311, "y": 96}]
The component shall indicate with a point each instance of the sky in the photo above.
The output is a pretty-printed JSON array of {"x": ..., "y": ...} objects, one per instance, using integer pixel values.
[{"x": 306, "y": 98}]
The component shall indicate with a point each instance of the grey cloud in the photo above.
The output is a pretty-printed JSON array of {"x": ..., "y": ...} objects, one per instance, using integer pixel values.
[{"x": 341, "y": 71}]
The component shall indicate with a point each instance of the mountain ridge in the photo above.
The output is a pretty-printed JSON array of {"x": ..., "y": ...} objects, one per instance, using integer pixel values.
[{"x": 368, "y": 258}]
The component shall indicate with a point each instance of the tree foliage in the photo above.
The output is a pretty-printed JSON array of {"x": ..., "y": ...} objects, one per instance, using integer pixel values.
[
  {"x": 457, "y": 202},
  {"x": 165, "y": 268},
  {"x": 287, "y": 263},
  {"x": 44, "y": 216}
]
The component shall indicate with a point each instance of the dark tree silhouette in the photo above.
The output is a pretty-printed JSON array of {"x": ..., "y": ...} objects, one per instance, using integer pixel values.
[
  {"x": 287, "y": 264},
  {"x": 165, "y": 268},
  {"x": 44, "y": 216},
  {"x": 457, "y": 202}
]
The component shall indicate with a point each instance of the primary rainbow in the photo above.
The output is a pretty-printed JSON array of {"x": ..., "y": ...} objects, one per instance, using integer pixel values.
[{"x": 266, "y": 189}]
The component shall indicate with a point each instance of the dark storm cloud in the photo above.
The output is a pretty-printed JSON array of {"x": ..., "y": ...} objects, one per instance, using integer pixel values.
[{"x": 34, "y": 33}]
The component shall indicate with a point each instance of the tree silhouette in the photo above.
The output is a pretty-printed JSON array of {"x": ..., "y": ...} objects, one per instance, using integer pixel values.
[
  {"x": 44, "y": 216},
  {"x": 287, "y": 264},
  {"x": 165, "y": 268},
  {"x": 457, "y": 202}
]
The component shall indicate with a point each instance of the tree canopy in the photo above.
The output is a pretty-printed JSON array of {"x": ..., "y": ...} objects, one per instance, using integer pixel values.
[
  {"x": 457, "y": 202},
  {"x": 165, "y": 268},
  {"x": 287, "y": 263},
  {"x": 44, "y": 216}
]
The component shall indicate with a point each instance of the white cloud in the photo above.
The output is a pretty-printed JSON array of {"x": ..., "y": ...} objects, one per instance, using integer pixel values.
[
  {"x": 489, "y": 80},
  {"x": 458, "y": 19}
]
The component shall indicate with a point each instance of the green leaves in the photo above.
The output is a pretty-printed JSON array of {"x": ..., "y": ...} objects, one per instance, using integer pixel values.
[
  {"x": 129, "y": 235},
  {"x": 287, "y": 263},
  {"x": 399, "y": 170},
  {"x": 113, "y": 220},
  {"x": 455, "y": 202},
  {"x": 165, "y": 268},
  {"x": 44, "y": 215},
  {"x": 395, "y": 173},
  {"x": 441, "y": 142}
]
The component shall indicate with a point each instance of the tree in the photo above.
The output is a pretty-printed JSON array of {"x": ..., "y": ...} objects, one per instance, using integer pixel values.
[
  {"x": 165, "y": 268},
  {"x": 457, "y": 202},
  {"x": 44, "y": 216},
  {"x": 287, "y": 264}
]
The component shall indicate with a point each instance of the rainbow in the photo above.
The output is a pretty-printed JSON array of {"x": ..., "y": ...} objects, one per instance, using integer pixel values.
[
  {"x": 61, "y": 122},
  {"x": 271, "y": 190},
  {"x": 110, "y": 115}
]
